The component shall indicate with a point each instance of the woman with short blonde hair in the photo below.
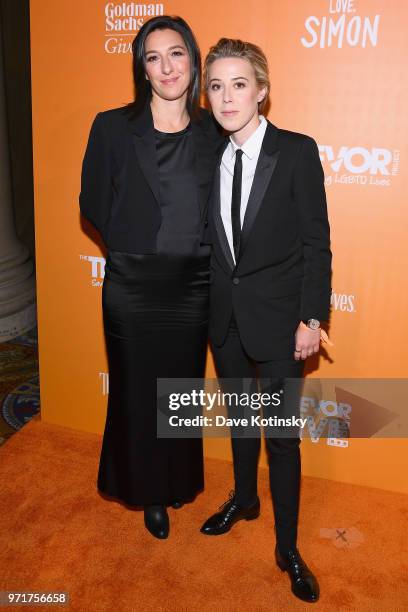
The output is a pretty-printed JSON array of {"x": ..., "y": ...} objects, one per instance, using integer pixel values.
[
  {"x": 270, "y": 288},
  {"x": 229, "y": 47}
]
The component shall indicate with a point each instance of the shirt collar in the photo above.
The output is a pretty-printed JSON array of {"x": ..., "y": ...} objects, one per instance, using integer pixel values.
[{"x": 252, "y": 145}]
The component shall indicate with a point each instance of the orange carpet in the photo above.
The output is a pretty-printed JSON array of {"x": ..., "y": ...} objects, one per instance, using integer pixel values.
[{"x": 59, "y": 534}]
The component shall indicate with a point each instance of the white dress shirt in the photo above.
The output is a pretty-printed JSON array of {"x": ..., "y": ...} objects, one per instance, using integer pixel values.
[{"x": 251, "y": 149}]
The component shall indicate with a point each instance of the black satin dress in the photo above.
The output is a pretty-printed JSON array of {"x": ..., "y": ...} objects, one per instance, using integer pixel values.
[{"x": 155, "y": 312}]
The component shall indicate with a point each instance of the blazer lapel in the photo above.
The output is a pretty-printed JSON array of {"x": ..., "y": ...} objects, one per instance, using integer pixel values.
[
  {"x": 143, "y": 141},
  {"x": 145, "y": 148},
  {"x": 268, "y": 158},
  {"x": 219, "y": 225}
]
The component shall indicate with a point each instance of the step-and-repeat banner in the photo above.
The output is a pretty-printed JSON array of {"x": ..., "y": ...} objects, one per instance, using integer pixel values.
[{"x": 338, "y": 73}]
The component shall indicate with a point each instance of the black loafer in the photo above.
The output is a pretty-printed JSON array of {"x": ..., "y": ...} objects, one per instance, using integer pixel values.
[
  {"x": 304, "y": 583},
  {"x": 230, "y": 513},
  {"x": 156, "y": 521},
  {"x": 177, "y": 504}
]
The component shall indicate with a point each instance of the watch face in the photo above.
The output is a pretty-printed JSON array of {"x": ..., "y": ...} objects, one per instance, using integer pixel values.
[{"x": 313, "y": 324}]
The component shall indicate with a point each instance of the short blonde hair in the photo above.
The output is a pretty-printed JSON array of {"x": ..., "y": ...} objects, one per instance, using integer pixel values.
[{"x": 230, "y": 47}]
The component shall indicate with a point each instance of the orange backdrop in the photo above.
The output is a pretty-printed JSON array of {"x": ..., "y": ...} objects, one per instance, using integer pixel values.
[{"x": 338, "y": 73}]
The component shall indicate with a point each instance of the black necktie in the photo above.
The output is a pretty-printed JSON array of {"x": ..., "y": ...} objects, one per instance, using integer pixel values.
[{"x": 236, "y": 203}]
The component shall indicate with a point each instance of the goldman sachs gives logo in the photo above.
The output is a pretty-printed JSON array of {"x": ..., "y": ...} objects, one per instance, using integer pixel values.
[
  {"x": 343, "y": 302},
  {"x": 342, "y": 27},
  {"x": 122, "y": 22}
]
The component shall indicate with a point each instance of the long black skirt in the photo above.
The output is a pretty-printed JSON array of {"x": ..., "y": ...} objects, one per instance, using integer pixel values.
[{"x": 155, "y": 313}]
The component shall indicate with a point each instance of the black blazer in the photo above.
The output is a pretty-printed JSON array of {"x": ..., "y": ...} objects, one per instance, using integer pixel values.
[
  {"x": 283, "y": 273},
  {"x": 120, "y": 179}
]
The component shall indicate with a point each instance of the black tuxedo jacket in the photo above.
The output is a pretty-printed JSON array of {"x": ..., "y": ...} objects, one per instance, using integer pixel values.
[
  {"x": 283, "y": 273},
  {"x": 120, "y": 178}
]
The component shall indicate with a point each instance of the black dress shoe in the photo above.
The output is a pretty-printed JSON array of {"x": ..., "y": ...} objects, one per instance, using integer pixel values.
[
  {"x": 304, "y": 583},
  {"x": 156, "y": 521},
  {"x": 229, "y": 514},
  {"x": 177, "y": 504}
]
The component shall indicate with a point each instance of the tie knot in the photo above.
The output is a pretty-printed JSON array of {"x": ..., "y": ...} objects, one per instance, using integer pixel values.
[{"x": 238, "y": 154}]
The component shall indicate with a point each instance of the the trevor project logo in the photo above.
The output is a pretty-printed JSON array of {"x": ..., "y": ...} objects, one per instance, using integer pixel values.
[
  {"x": 357, "y": 165},
  {"x": 328, "y": 419},
  {"x": 104, "y": 379},
  {"x": 96, "y": 268}
]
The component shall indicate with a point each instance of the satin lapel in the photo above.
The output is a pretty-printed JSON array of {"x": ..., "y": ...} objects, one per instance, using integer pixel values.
[
  {"x": 219, "y": 225},
  {"x": 145, "y": 148},
  {"x": 268, "y": 158},
  {"x": 144, "y": 144}
]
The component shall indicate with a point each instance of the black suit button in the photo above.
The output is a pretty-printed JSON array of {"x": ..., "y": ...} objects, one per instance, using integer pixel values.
[
  {"x": 205, "y": 223},
  {"x": 235, "y": 281}
]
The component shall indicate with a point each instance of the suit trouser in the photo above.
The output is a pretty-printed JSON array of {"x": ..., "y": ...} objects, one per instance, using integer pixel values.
[{"x": 232, "y": 361}]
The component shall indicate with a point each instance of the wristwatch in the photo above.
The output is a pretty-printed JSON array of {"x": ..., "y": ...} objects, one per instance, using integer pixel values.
[{"x": 312, "y": 323}]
